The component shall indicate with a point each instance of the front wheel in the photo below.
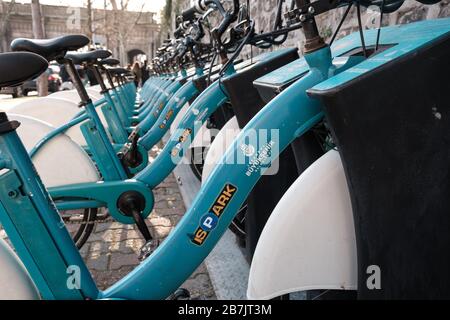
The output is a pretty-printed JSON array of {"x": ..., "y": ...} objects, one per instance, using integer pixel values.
[
  {"x": 237, "y": 225},
  {"x": 80, "y": 224},
  {"x": 197, "y": 161}
]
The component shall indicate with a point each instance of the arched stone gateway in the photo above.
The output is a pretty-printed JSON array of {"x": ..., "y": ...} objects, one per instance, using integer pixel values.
[{"x": 133, "y": 53}]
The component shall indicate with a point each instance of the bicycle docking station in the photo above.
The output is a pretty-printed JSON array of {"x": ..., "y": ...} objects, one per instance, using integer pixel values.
[{"x": 399, "y": 192}]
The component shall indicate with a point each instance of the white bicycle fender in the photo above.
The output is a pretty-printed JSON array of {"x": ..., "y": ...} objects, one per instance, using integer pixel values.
[
  {"x": 309, "y": 241},
  {"x": 55, "y": 111},
  {"x": 96, "y": 88},
  {"x": 73, "y": 96},
  {"x": 59, "y": 162},
  {"x": 223, "y": 140},
  {"x": 94, "y": 93},
  {"x": 15, "y": 282},
  {"x": 178, "y": 118},
  {"x": 202, "y": 137}
]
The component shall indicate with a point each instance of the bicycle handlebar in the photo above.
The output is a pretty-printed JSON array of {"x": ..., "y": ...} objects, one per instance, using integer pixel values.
[
  {"x": 229, "y": 18},
  {"x": 201, "y": 6},
  {"x": 189, "y": 14}
]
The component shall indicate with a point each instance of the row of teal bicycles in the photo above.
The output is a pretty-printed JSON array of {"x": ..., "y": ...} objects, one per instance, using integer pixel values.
[{"x": 330, "y": 167}]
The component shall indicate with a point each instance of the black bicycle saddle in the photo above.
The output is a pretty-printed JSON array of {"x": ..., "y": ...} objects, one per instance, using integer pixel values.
[
  {"x": 88, "y": 57},
  {"x": 17, "y": 67},
  {"x": 119, "y": 71},
  {"x": 109, "y": 62},
  {"x": 50, "y": 49}
]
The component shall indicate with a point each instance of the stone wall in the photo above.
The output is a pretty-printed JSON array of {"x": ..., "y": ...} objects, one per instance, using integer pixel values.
[
  {"x": 139, "y": 30},
  {"x": 264, "y": 12}
]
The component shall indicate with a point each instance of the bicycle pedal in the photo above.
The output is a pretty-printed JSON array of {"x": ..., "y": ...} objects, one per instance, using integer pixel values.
[
  {"x": 148, "y": 248},
  {"x": 180, "y": 294}
]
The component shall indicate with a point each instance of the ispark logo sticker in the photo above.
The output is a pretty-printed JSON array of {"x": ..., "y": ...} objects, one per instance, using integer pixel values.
[
  {"x": 210, "y": 220},
  {"x": 166, "y": 119},
  {"x": 160, "y": 107}
]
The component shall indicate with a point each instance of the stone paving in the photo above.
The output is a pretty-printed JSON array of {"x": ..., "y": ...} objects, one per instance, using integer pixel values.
[{"x": 112, "y": 249}]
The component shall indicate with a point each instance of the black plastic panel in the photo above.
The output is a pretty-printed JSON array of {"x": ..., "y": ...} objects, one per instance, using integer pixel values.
[
  {"x": 244, "y": 97},
  {"x": 246, "y": 104},
  {"x": 392, "y": 127},
  {"x": 269, "y": 87}
]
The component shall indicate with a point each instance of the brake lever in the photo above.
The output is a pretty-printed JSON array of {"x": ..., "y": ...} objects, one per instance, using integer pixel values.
[
  {"x": 237, "y": 33},
  {"x": 207, "y": 13}
]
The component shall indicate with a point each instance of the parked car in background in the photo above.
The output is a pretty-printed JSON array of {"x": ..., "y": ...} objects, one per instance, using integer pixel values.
[
  {"x": 53, "y": 77},
  {"x": 14, "y": 91},
  {"x": 54, "y": 84}
]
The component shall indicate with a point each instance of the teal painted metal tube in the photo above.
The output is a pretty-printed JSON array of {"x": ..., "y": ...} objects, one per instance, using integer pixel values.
[
  {"x": 56, "y": 132},
  {"x": 47, "y": 217},
  {"x": 187, "y": 92},
  {"x": 154, "y": 114},
  {"x": 90, "y": 110},
  {"x": 115, "y": 127},
  {"x": 286, "y": 117},
  {"x": 205, "y": 104}
]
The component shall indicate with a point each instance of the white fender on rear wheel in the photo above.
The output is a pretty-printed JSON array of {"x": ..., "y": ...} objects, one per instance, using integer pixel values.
[
  {"x": 15, "y": 282},
  {"x": 72, "y": 95},
  {"x": 308, "y": 243},
  {"x": 96, "y": 88},
  {"x": 56, "y": 111},
  {"x": 59, "y": 162},
  {"x": 216, "y": 150},
  {"x": 94, "y": 93},
  {"x": 53, "y": 110}
]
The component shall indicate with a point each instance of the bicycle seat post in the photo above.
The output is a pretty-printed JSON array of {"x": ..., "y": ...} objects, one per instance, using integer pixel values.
[
  {"x": 81, "y": 90},
  {"x": 71, "y": 70},
  {"x": 110, "y": 79},
  {"x": 99, "y": 78},
  {"x": 313, "y": 40}
]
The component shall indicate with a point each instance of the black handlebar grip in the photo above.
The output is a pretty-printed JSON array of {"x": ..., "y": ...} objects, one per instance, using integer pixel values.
[{"x": 189, "y": 14}]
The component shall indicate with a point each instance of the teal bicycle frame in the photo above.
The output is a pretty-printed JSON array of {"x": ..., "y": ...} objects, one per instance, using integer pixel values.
[
  {"x": 159, "y": 275},
  {"x": 43, "y": 243},
  {"x": 89, "y": 195}
]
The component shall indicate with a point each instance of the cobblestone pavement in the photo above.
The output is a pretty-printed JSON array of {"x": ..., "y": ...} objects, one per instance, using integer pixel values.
[{"x": 112, "y": 249}]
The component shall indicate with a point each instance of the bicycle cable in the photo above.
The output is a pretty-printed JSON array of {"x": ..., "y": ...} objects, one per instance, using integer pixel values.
[
  {"x": 361, "y": 32},
  {"x": 341, "y": 23},
  {"x": 211, "y": 65},
  {"x": 239, "y": 48},
  {"x": 236, "y": 54},
  {"x": 380, "y": 25}
]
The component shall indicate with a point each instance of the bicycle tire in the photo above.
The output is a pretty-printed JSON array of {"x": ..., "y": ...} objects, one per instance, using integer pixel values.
[{"x": 86, "y": 227}]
